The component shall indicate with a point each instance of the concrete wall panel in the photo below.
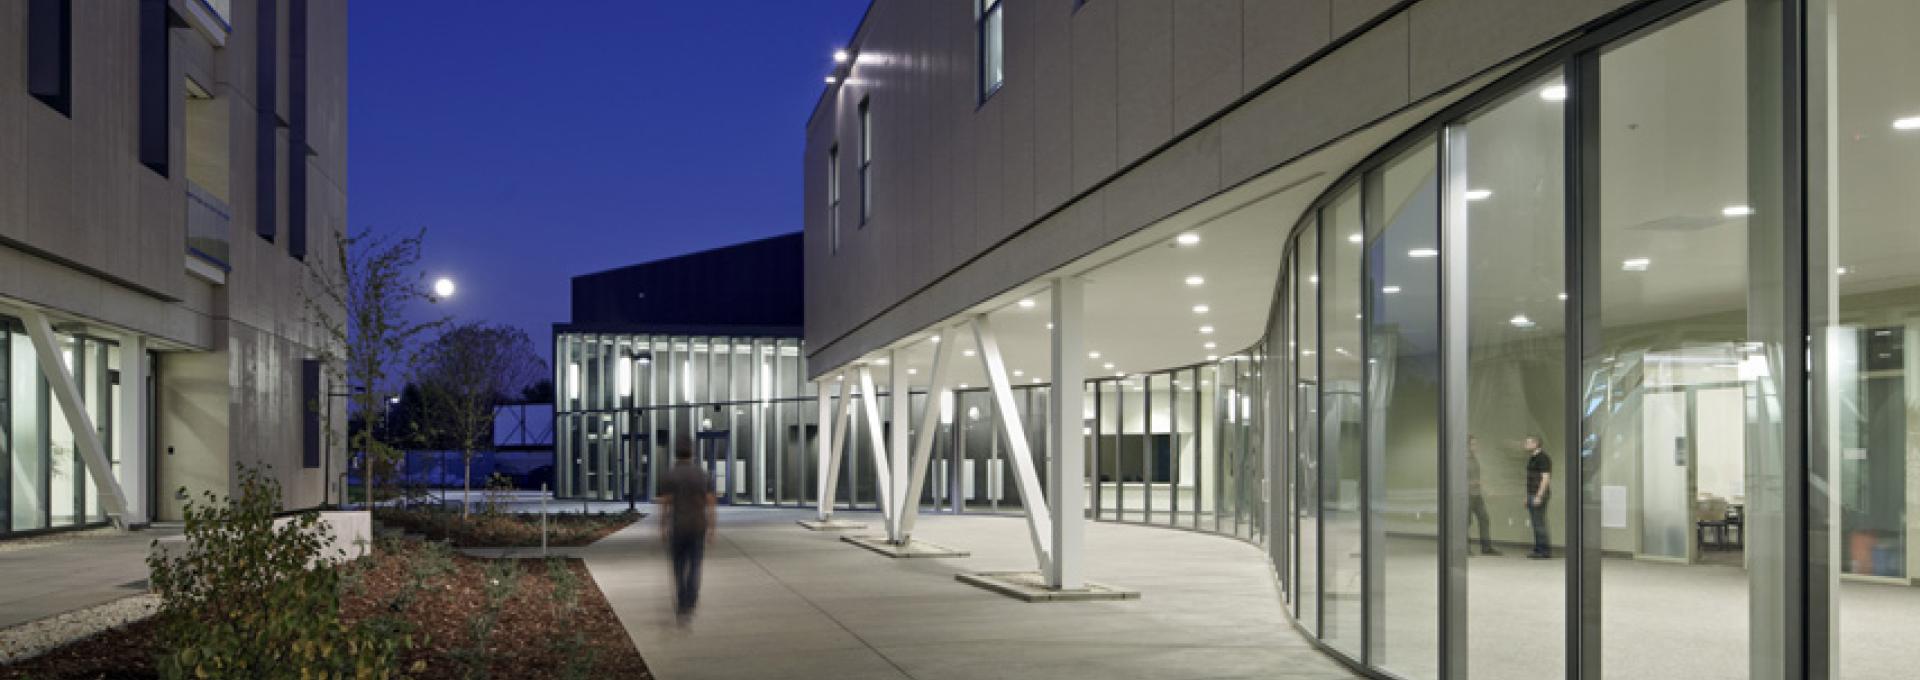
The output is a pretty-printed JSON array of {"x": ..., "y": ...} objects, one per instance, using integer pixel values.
[
  {"x": 1454, "y": 39},
  {"x": 1277, "y": 34},
  {"x": 1206, "y": 59},
  {"x": 1052, "y": 103},
  {"x": 1095, "y": 91},
  {"x": 1351, "y": 14},
  {"x": 1363, "y": 81},
  {"x": 1143, "y": 103}
]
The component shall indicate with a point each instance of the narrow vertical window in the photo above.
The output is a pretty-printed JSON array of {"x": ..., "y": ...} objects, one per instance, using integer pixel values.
[
  {"x": 992, "y": 65},
  {"x": 833, "y": 199},
  {"x": 267, "y": 127},
  {"x": 50, "y": 53},
  {"x": 297, "y": 133},
  {"x": 156, "y": 86},
  {"x": 312, "y": 404},
  {"x": 866, "y": 162}
]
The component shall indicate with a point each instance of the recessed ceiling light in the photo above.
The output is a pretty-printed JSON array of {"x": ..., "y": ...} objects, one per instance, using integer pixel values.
[
  {"x": 1093, "y": 354},
  {"x": 1195, "y": 280},
  {"x": 1563, "y": 296},
  {"x": 1737, "y": 210},
  {"x": 840, "y": 56},
  {"x": 1554, "y": 93},
  {"x": 1039, "y": 379},
  {"x": 883, "y": 362},
  {"x": 1026, "y": 303},
  {"x": 1389, "y": 289},
  {"x": 1908, "y": 123},
  {"x": 1119, "y": 374},
  {"x": 936, "y": 339},
  {"x": 1478, "y": 194},
  {"x": 1520, "y": 321},
  {"x": 1201, "y": 309},
  {"x": 1017, "y": 373},
  {"x": 831, "y": 80},
  {"x": 1108, "y": 365},
  {"x": 1355, "y": 237},
  {"x": 963, "y": 386},
  {"x": 1637, "y": 264},
  {"x": 913, "y": 371},
  {"x": 967, "y": 352},
  {"x": 1210, "y": 344},
  {"x": 1306, "y": 352},
  {"x": 1213, "y": 357},
  {"x": 1422, "y": 253},
  {"x": 1049, "y": 325},
  {"x": 1187, "y": 239},
  {"x": 1206, "y": 330},
  {"x": 1843, "y": 270}
]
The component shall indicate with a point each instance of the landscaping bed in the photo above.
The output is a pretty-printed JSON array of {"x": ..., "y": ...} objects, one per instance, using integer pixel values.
[
  {"x": 548, "y": 620},
  {"x": 504, "y": 530}
]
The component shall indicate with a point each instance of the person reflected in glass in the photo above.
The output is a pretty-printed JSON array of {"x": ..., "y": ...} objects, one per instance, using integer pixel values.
[
  {"x": 1539, "y": 490},
  {"x": 1477, "y": 498},
  {"x": 687, "y": 523}
]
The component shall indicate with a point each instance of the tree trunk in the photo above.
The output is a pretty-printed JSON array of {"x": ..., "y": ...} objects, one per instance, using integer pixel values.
[{"x": 466, "y": 481}]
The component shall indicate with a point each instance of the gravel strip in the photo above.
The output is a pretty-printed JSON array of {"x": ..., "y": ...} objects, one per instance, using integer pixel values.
[{"x": 34, "y": 638}]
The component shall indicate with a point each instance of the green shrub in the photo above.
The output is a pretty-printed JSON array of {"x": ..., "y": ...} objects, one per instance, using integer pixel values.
[{"x": 247, "y": 600}]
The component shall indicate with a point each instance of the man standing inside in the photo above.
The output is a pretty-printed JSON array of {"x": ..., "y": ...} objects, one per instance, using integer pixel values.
[
  {"x": 1539, "y": 485},
  {"x": 686, "y": 521},
  {"x": 1477, "y": 497}
]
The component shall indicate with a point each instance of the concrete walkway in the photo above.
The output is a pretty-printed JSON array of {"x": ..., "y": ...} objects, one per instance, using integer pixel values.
[
  {"x": 780, "y": 601},
  {"x": 63, "y": 572}
]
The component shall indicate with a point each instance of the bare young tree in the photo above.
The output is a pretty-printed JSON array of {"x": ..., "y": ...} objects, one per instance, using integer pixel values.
[
  {"x": 463, "y": 374},
  {"x": 359, "y": 298}
]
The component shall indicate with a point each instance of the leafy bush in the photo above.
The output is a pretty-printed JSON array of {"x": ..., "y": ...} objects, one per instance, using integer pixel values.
[{"x": 245, "y": 599}]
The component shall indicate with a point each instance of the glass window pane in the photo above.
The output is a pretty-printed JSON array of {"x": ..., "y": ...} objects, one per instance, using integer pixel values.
[
  {"x": 1507, "y": 196},
  {"x": 1685, "y": 406},
  {"x": 1306, "y": 443},
  {"x": 1869, "y": 119},
  {"x": 1403, "y": 381},
  {"x": 1340, "y": 421}
]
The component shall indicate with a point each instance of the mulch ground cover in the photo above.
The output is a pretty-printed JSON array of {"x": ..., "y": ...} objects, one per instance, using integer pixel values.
[
  {"x": 535, "y": 637},
  {"x": 505, "y": 530}
]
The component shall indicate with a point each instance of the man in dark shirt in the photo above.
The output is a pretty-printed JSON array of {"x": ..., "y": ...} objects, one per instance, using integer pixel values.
[
  {"x": 686, "y": 520},
  {"x": 1477, "y": 497},
  {"x": 1539, "y": 489}
]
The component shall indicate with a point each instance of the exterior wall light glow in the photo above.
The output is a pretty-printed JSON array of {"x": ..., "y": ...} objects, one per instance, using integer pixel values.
[
  {"x": 841, "y": 56},
  {"x": 1187, "y": 239},
  {"x": 1195, "y": 280},
  {"x": 831, "y": 80},
  {"x": 1389, "y": 289},
  {"x": 1478, "y": 194},
  {"x": 1521, "y": 321},
  {"x": 1423, "y": 253},
  {"x": 1737, "y": 210},
  {"x": 1355, "y": 238},
  {"x": 1554, "y": 93},
  {"x": 1638, "y": 264},
  {"x": 1907, "y": 124}
]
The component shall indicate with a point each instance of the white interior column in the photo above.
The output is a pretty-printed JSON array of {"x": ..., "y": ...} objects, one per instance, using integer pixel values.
[
  {"x": 1039, "y": 522},
  {"x": 133, "y": 427},
  {"x": 759, "y": 420},
  {"x": 1067, "y": 476},
  {"x": 67, "y": 392},
  {"x": 923, "y": 437},
  {"x": 882, "y": 477},
  {"x": 900, "y": 408}
]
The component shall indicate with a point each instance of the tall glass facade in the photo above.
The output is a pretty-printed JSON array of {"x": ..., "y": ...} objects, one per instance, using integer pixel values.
[{"x": 43, "y": 479}]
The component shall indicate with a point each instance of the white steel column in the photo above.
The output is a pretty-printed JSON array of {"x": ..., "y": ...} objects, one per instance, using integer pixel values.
[
  {"x": 67, "y": 392},
  {"x": 923, "y": 437},
  {"x": 901, "y": 408},
  {"x": 1067, "y": 475},
  {"x": 830, "y": 457},
  {"x": 1039, "y": 523},
  {"x": 882, "y": 479},
  {"x": 133, "y": 428},
  {"x": 822, "y": 440}
]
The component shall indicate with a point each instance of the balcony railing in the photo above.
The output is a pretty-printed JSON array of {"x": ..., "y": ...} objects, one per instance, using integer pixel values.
[{"x": 209, "y": 227}]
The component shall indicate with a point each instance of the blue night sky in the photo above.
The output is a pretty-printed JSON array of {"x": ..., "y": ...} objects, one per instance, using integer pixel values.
[{"x": 537, "y": 145}]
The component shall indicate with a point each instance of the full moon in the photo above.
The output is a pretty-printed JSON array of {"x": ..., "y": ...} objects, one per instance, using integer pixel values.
[{"x": 443, "y": 287}]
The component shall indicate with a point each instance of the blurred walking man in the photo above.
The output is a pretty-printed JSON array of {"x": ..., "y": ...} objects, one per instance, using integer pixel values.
[{"x": 686, "y": 520}]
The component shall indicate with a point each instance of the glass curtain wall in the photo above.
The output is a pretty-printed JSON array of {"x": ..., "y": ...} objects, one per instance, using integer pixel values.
[
  {"x": 1864, "y": 284},
  {"x": 44, "y": 482},
  {"x": 626, "y": 402}
]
